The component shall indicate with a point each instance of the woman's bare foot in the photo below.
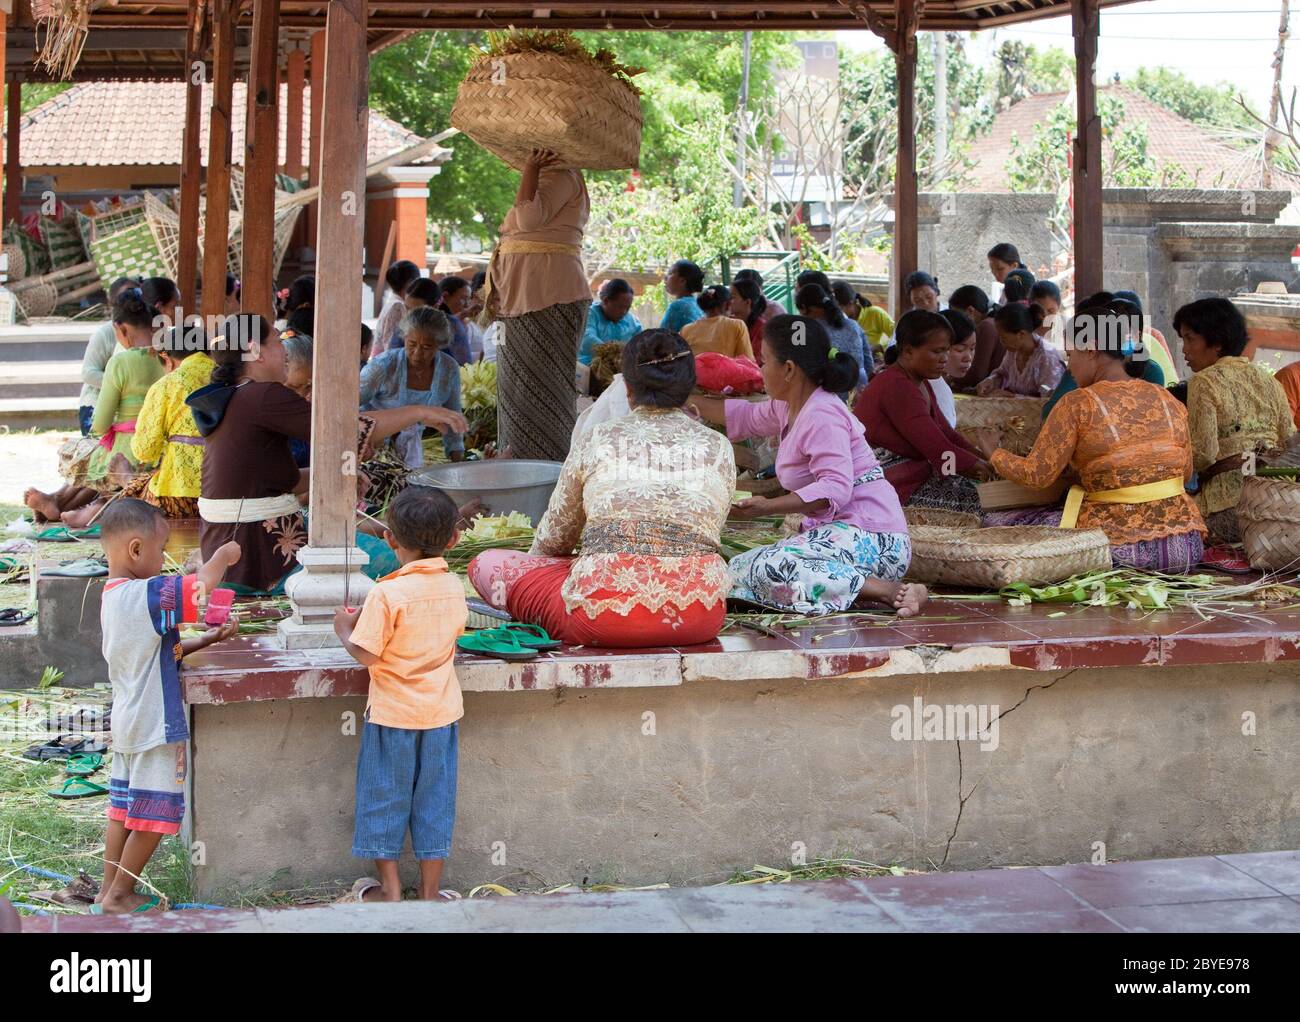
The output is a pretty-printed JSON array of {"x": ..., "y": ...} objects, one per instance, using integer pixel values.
[
  {"x": 123, "y": 904},
  {"x": 905, "y": 598},
  {"x": 44, "y": 507},
  {"x": 81, "y": 517}
]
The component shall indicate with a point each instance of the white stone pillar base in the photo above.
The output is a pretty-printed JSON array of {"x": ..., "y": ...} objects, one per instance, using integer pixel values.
[{"x": 331, "y": 577}]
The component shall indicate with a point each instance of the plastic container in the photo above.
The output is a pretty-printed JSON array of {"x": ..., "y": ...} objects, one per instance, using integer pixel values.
[{"x": 502, "y": 484}]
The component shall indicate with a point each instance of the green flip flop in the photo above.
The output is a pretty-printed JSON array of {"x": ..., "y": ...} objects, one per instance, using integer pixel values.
[
  {"x": 77, "y": 787},
  {"x": 83, "y": 764},
  {"x": 530, "y": 636},
  {"x": 147, "y": 906},
  {"x": 495, "y": 642},
  {"x": 54, "y": 534},
  {"x": 83, "y": 567}
]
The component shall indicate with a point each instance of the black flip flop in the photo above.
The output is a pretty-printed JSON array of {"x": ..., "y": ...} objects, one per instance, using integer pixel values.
[{"x": 11, "y": 617}]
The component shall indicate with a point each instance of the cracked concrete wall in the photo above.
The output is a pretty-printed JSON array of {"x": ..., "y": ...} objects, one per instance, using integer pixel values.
[{"x": 1150, "y": 761}]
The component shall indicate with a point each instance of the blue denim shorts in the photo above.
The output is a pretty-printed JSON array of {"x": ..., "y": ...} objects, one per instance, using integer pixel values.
[{"x": 405, "y": 780}]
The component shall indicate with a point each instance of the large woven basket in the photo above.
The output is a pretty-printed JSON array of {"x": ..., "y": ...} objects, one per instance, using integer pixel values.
[
  {"x": 1269, "y": 514},
  {"x": 517, "y": 102},
  {"x": 1019, "y": 419},
  {"x": 996, "y": 557}
]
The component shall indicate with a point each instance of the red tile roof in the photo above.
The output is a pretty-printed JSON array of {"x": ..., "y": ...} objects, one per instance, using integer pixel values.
[
  {"x": 1171, "y": 140},
  {"x": 107, "y": 124}
]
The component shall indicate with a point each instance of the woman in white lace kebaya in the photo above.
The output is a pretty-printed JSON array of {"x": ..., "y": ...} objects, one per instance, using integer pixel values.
[{"x": 647, "y": 496}]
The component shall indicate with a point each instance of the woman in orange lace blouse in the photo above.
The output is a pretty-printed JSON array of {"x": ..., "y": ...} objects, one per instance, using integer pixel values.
[
  {"x": 646, "y": 496},
  {"x": 1128, "y": 442}
]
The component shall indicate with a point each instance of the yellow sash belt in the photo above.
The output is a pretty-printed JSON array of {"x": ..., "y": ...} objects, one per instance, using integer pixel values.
[
  {"x": 517, "y": 248},
  {"x": 1143, "y": 494}
]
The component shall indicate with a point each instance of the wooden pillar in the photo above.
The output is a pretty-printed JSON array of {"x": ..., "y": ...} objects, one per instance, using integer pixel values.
[
  {"x": 331, "y": 574},
  {"x": 4, "y": 36},
  {"x": 314, "y": 128},
  {"x": 216, "y": 226},
  {"x": 906, "y": 188},
  {"x": 1086, "y": 18},
  {"x": 295, "y": 84},
  {"x": 187, "y": 261},
  {"x": 261, "y": 153},
  {"x": 13, "y": 162}
]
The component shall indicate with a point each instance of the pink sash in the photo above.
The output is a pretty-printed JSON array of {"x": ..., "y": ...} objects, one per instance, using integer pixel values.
[{"x": 107, "y": 440}]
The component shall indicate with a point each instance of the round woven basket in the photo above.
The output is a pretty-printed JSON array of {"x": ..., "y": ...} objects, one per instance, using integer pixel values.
[
  {"x": 16, "y": 267},
  {"x": 1269, "y": 513},
  {"x": 37, "y": 300},
  {"x": 995, "y": 557},
  {"x": 939, "y": 516},
  {"x": 517, "y": 102},
  {"x": 1019, "y": 419}
]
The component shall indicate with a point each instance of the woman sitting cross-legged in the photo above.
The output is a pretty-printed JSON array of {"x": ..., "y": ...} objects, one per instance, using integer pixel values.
[
  {"x": 852, "y": 543},
  {"x": 422, "y": 372},
  {"x": 646, "y": 495},
  {"x": 926, "y": 460},
  {"x": 1127, "y": 440},
  {"x": 94, "y": 470},
  {"x": 1235, "y": 409}
]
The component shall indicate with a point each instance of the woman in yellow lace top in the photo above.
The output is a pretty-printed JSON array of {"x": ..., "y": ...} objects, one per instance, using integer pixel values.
[
  {"x": 1127, "y": 441},
  {"x": 165, "y": 430},
  {"x": 1234, "y": 408},
  {"x": 646, "y": 496}
]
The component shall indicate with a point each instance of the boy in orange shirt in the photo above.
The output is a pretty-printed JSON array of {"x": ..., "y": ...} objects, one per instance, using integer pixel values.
[{"x": 406, "y": 633}]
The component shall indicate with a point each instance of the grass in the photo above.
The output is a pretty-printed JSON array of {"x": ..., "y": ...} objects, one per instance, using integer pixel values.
[{"x": 59, "y": 836}]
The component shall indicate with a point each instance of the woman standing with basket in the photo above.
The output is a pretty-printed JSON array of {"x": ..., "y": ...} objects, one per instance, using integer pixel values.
[{"x": 537, "y": 288}]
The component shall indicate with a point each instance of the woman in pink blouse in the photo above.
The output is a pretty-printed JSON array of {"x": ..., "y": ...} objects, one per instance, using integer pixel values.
[
  {"x": 852, "y": 543},
  {"x": 536, "y": 286}
]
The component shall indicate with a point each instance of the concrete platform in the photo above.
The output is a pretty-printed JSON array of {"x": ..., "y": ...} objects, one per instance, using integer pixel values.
[{"x": 1220, "y": 894}]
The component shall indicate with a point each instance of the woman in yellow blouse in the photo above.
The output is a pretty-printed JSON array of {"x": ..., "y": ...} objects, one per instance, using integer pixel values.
[
  {"x": 1235, "y": 409},
  {"x": 718, "y": 332},
  {"x": 165, "y": 431}
]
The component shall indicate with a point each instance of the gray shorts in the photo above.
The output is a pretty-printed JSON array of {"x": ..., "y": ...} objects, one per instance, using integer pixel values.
[{"x": 146, "y": 790}]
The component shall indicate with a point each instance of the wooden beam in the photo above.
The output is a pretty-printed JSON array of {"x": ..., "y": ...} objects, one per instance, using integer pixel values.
[
  {"x": 187, "y": 261},
  {"x": 314, "y": 127},
  {"x": 261, "y": 152},
  {"x": 216, "y": 226},
  {"x": 295, "y": 86},
  {"x": 906, "y": 188},
  {"x": 4, "y": 178},
  {"x": 341, "y": 209},
  {"x": 1086, "y": 22},
  {"x": 13, "y": 153}
]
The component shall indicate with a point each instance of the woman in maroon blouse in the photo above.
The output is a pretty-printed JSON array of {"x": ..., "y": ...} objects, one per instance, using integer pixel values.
[{"x": 928, "y": 462}]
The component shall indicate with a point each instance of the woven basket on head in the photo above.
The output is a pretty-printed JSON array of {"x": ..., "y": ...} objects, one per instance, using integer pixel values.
[
  {"x": 1269, "y": 514},
  {"x": 517, "y": 102},
  {"x": 996, "y": 557},
  {"x": 1018, "y": 419},
  {"x": 940, "y": 516}
]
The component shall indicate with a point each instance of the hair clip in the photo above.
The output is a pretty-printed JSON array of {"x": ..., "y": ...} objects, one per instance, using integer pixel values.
[
  {"x": 666, "y": 358},
  {"x": 833, "y": 352}
]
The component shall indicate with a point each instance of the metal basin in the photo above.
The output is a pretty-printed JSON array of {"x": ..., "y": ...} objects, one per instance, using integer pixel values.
[{"x": 503, "y": 485}]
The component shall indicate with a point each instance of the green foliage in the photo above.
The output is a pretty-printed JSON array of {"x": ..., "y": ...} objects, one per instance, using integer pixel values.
[
  {"x": 1024, "y": 70},
  {"x": 415, "y": 84},
  {"x": 1213, "y": 105}
]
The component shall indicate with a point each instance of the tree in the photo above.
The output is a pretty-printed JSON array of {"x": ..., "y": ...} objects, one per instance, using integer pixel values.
[
  {"x": 1024, "y": 70},
  {"x": 1212, "y": 105},
  {"x": 1041, "y": 163}
]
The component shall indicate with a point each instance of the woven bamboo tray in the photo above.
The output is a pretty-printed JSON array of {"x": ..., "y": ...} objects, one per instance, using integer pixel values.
[
  {"x": 1269, "y": 514},
  {"x": 517, "y": 102},
  {"x": 1019, "y": 419},
  {"x": 996, "y": 557}
]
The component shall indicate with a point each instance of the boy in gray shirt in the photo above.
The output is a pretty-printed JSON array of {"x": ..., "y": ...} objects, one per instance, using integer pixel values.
[{"x": 141, "y": 615}]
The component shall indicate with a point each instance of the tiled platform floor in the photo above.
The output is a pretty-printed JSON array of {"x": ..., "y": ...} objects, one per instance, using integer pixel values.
[
  {"x": 1227, "y": 893},
  {"x": 993, "y": 634}
]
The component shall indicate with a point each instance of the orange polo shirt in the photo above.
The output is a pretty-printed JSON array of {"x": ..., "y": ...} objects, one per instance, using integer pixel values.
[{"x": 411, "y": 620}]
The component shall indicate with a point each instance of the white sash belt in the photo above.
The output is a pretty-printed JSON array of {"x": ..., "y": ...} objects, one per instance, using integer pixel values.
[{"x": 248, "y": 509}]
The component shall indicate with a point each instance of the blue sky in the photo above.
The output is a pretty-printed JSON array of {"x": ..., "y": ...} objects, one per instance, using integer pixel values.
[{"x": 1208, "y": 40}]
